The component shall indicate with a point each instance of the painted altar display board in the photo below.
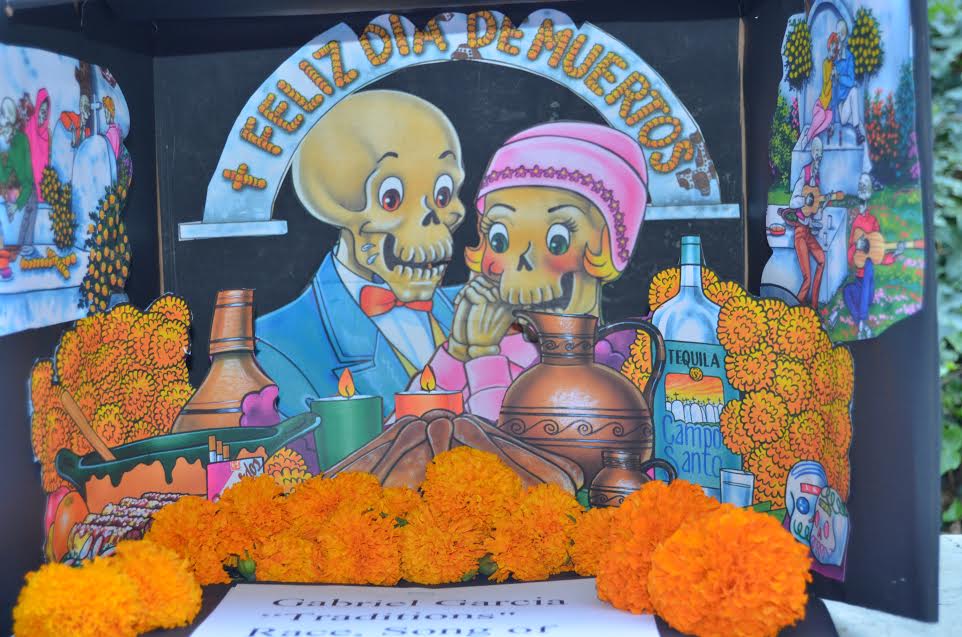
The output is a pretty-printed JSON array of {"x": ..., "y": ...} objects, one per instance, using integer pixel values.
[
  {"x": 844, "y": 219},
  {"x": 455, "y": 298},
  {"x": 64, "y": 174}
]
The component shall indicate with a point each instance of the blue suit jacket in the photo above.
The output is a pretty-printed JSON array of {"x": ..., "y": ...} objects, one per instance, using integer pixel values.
[
  {"x": 845, "y": 66},
  {"x": 305, "y": 344}
]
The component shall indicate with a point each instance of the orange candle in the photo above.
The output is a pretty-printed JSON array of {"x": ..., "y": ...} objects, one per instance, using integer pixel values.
[{"x": 418, "y": 403}]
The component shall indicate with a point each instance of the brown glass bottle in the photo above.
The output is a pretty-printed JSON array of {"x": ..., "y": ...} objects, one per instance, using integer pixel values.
[{"x": 234, "y": 372}]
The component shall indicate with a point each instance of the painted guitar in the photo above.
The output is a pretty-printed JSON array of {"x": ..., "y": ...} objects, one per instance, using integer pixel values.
[
  {"x": 815, "y": 201},
  {"x": 878, "y": 247}
]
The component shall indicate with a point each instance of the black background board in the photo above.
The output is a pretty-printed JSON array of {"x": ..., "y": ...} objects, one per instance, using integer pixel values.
[
  {"x": 895, "y": 454},
  {"x": 817, "y": 622},
  {"x": 121, "y": 50},
  {"x": 894, "y": 504},
  {"x": 199, "y": 95}
]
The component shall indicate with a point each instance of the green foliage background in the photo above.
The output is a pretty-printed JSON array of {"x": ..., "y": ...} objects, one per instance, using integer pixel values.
[{"x": 945, "y": 28}]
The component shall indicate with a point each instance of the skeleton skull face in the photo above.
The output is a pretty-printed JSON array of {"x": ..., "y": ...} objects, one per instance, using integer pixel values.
[
  {"x": 535, "y": 240},
  {"x": 805, "y": 482},
  {"x": 385, "y": 167}
]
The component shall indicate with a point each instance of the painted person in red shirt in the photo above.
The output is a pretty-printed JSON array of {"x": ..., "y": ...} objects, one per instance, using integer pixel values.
[
  {"x": 807, "y": 247},
  {"x": 860, "y": 293}
]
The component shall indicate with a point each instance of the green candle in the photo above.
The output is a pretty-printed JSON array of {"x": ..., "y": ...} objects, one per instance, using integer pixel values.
[{"x": 348, "y": 422}]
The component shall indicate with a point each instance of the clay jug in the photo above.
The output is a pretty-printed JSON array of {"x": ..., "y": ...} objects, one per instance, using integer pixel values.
[
  {"x": 234, "y": 373},
  {"x": 623, "y": 474},
  {"x": 574, "y": 407}
]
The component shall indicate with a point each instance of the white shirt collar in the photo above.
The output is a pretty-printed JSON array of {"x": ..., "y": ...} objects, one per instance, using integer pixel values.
[{"x": 353, "y": 282}]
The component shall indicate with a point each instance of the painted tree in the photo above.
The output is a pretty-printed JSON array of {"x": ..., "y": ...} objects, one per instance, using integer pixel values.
[
  {"x": 109, "y": 253},
  {"x": 784, "y": 136},
  {"x": 865, "y": 43},
  {"x": 798, "y": 54},
  {"x": 906, "y": 168}
]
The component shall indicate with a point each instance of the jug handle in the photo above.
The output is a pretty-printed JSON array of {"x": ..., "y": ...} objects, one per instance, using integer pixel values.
[
  {"x": 528, "y": 325},
  {"x": 658, "y": 463},
  {"x": 658, "y": 355}
]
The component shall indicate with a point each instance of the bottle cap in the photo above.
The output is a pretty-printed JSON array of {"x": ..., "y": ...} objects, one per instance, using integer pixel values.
[{"x": 691, "y": 250}]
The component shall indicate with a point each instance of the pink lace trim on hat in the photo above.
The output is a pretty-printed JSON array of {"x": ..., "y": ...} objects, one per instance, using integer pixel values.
[{"x": 563, "y": 174}]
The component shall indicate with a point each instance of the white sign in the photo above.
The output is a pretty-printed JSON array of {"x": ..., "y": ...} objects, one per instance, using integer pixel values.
[{"x": 558, "y": 609}]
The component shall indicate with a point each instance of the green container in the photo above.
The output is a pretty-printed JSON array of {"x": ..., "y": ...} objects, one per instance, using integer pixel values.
[{"x": 347, "y": 424}]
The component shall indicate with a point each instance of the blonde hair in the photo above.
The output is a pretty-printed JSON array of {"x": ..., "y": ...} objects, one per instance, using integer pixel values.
[
  {"x": 600, "y": 265},
  {"x": 108, "y": 103}
]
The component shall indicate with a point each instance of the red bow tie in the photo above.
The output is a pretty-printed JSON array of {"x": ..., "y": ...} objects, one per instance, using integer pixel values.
[{"x": 376, "y": 301}]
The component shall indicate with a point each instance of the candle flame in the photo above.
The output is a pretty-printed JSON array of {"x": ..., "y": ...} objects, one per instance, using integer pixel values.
[
  {"x": 345, "y": 385},
  {"x": 428, "y": 382}
]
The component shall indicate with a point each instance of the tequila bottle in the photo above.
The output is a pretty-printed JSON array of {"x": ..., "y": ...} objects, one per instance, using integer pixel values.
[{"x": 694, "y": 388}]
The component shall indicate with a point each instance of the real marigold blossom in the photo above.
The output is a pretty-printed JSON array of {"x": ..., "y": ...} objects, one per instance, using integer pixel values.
[
  {"x": 731, "y": 573},
  {"x": 94, "y": 601},
  {"x": 643, "y": 521}
]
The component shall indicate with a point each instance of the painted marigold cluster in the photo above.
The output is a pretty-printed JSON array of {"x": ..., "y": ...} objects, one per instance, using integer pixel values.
[
  {"x": 126, "y": 370},
  {"x": 796, "y": 387}
]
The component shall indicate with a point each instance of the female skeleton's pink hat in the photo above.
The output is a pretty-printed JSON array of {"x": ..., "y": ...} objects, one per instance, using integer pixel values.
[{"x": 603, "y": 165}]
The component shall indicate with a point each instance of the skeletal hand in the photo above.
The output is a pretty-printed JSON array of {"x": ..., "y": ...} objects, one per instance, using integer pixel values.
[{"x": 481, "y": 319}]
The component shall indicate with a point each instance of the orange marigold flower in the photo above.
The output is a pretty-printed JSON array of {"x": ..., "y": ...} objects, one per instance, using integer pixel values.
[
  {"x": 312, "y": 502},
  {"x": 800, "y": 334},
  {"x": 176, "y": 373},
  {"x": 838, "y": 423},
  {"x": 137, "y": 393},
  {"x": 92, "y": 601},
  {"x": 845, "y": 373},
  {"x": 765, "y": 415},
  {"x": 110, "y": 424},
  {"x": 249, "y": 512},
  {"x": 532, "y": 542},
  {"x": 471, "y": 484},
  {"x": 140, "y": 430},
  {"x": 58, "y": 431},
  {"x": 38, "y": 435},
  {"x": 781, "y": 452},
  {"x": 436, "y": 549},
  {"x": 88, "y": 398},
  {"x": 285, "y": 557},
  {"x": 89, "y": 332},
  {"x": 639, "y": 353},
  {"x": 741, "y": 325},
  {"x": 169, "y": 343},
  {"x": 837, "y": 469},
  {"x": 644, "y": 520},
  {"x": 774, "y": 311},
  {"x": 41, "y": 385},
  {"x": 704, "y": 558},
  {"x": 359, "y": 548},
  {"x": 590, "y": 539},
  {"x": 664, "y": 285},
  {"x": 171, "y": 307},
  {"x": 118, "y": 323},
  {"x": 793, "y": 382},
  {"x": 397, "y": 502},
  {"x": 721, "y": 292},
  {"x": 638, "y": 378},
  {"x": 168, "y": 403},
  {"x": 68, "y": 357},
  {"x": 187, "y": 528},
  {"x": 734, "y": 433},
  {"x": 769, "y": 477},
  {"x": 284, "y": 458},
  {"x": 288, "y": 479},
  {"x": 806, "y": 433},
  {"x": 169, "y": 594},
  {"x": 753, "y": 370},
  {"x": 141, "y": 335}
]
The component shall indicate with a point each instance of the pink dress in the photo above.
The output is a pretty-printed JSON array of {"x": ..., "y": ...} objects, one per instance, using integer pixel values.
[{"x": 38, "y": 137}]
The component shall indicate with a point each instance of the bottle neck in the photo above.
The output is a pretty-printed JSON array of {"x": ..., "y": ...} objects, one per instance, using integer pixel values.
[{"x": 691, "y": 276}]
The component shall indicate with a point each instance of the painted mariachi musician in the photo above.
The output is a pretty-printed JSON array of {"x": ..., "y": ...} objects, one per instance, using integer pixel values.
[
  {"x": 560, "y": 207},
  {"x": 385, "y": 168}
]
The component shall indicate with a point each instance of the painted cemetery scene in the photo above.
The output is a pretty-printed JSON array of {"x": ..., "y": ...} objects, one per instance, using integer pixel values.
[{"x": 64, "y": 174}]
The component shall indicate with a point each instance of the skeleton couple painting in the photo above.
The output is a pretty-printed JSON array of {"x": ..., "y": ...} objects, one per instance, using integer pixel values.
[{"x": 560, "y": 207}]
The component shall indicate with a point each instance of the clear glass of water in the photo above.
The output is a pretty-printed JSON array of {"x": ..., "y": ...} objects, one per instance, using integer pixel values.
[{"x": 737, "y": 487}]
